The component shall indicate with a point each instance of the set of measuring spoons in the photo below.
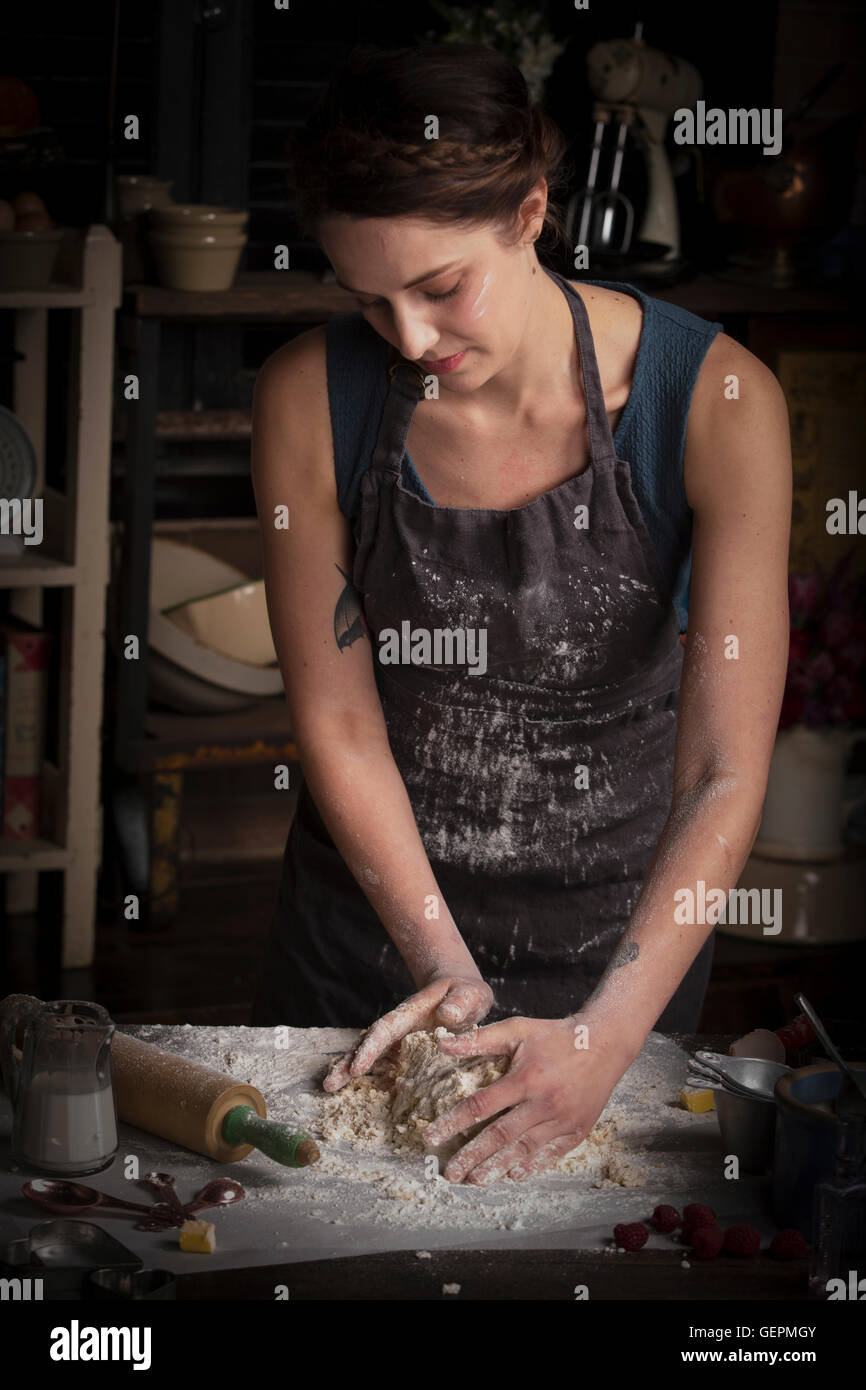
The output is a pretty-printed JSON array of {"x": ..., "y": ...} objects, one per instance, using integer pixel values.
[
  {"x": 751, "y": 1078},
  {"x": 65, "y": 1198},
  {"x": 754, "y": 1079}
]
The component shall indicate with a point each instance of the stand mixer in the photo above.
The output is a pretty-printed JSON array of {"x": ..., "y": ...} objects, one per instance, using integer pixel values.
[{"x": 639, "y": 89}]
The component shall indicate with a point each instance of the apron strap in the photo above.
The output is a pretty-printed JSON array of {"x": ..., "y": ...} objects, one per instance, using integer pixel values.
[
  {"x": 601, "y": 445},
  {"x": 405, "y": 389}
]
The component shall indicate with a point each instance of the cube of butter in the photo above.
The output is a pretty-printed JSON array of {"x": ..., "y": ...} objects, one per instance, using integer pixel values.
[
  {"x": 698, "y": 1102},
  {"x": 198, "y": 1236}
]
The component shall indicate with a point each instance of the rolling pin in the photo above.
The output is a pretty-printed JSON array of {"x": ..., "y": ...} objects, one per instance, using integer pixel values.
[
  {"x": 184, "y": 1101},
  {"x": 193, "y": 1105}
]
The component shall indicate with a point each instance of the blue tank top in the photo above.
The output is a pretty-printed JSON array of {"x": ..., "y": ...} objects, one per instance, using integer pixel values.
[{"x": 650, "y": 435}]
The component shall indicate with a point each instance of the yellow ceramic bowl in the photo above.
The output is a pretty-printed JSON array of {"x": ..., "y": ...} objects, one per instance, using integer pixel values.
[
  {"x": 204, "y": 215},
  {"x": 27, "y": 258},
  {"x": 207, "y": 264},
  {"x": 234, "y": 623}
]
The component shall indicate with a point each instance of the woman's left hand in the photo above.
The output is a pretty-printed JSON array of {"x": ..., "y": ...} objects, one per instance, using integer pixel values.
[{"x": 558, "y": 1082}]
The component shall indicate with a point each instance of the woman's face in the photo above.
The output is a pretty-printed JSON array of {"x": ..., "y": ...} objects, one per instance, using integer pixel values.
[{"x": 455, "y": 300}]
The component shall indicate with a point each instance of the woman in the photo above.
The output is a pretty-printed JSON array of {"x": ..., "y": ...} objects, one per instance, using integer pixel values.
[{"x": 511, "y": 762}]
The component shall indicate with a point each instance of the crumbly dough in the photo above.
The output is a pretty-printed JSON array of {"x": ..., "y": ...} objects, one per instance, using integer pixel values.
[
  {"x": 429, "y": 1082},
  {"x": 391, "y": 1108},
  {"x": 395, "y": 1106}
]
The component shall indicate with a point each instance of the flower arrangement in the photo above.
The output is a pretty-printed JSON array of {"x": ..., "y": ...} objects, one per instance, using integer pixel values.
[
  {"x": 826, "y": 681},
  {"x": 512, "y": 28}
]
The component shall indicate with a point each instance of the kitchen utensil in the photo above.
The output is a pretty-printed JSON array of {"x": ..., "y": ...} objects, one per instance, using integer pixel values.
[
  {"x": 708, "y": 1081},
  {"x": 164, "y": 1184},
  {"x": 190, "y": 1104},
  {"x": 219, "y": 1192},
  {"x": 206, "y": 267},
  {"x": 169, "y": 684},
  {"x": 639, "y": 89},
  {"x": 56, "y": 1064},
  {"x": 17, "y": 457},
  {"x": 858, "y": 1083},
  {"x": 180, "y": 573},
  {"x": 137, "y": 1284},
  {"x": 68, "y": 1197},
  {"x": 27, "y": 257},
  {"x": 839, "y": 1210},
  {"x": 203, "y": 216},
  {"x": 807, "y": 1132},
  {"x": 79, "y": 1245},
  {"x": 748, "y": 1129},
  {"x": 234, "y": 623},
  {"x": 137, "y": 193},
  {"x": 744, "y": 1104},
  {"x": 59, "y": 1253},
  {"x": 240, "y": 677},
  {"x": 58, "y": 1195},
  {"x": 753, "y": 1075}
]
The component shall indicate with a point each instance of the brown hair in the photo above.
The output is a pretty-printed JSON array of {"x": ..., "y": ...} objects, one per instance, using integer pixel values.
[{"x": 363, "y": 150}]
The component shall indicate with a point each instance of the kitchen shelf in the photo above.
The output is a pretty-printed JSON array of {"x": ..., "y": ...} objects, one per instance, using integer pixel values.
[
  {"x": 295, "y": 295},
  {"x": 714, "y": 296},
  {"x": 16, "y": 855},
  {"x": 191, "y": 425},
  {"x": 51, "y": 297},
  {"x": 88, "y": 281},
  {"x": 29, "y": 568},
  {"x": 187, "y": 741}
]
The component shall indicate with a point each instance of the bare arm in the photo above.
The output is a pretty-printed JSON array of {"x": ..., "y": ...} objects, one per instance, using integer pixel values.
[
  {"x": 562, "y": 1071},
  {"x": 738, "y": 483},
  {"x": 327, "y": 665}
]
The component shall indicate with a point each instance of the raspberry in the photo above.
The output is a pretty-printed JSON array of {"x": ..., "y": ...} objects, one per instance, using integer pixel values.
[
  {"x": 788, "y": 1245},
  {"x": 665, "y": 1218},
  {"x": 742, "y": 1240},
  {"x": 707, "y": 1242},
  {"x": 631, "y": 1235},
  {"x": 689, "y": 1229},
  {"x": 696, "y": 1214}
]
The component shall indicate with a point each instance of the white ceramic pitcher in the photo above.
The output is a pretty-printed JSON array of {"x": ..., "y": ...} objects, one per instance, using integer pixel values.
[{"x": 805, "y": 807}]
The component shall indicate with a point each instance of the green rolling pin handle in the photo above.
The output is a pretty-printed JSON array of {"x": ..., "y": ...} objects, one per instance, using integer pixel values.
[{"x": 294, "y": 1149}]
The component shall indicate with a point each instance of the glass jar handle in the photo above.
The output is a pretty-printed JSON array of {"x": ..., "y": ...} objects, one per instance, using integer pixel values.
[{"x": 14, "y": 1010}]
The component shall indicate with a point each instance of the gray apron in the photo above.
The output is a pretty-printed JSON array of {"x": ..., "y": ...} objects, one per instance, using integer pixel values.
[{"x": 539, "y": 786}]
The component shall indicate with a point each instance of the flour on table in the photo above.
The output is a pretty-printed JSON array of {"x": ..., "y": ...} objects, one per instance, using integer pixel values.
[
  {"x": 644, "y": 1149},
  {"x": 392, "y": 1109}
]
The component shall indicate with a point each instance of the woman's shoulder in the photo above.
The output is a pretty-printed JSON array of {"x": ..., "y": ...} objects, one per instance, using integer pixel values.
[
  {"x": 617, "y": 313},
  {"x": 290, "y": 408},
  {"x": 303, "y": 357}
]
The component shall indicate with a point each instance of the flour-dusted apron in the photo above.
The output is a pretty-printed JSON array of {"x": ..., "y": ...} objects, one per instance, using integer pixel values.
[{"x": 540, "y": 785}]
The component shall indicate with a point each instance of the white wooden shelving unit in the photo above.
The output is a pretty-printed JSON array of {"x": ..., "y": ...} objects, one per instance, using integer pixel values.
[{"x": 74, "y": 556}]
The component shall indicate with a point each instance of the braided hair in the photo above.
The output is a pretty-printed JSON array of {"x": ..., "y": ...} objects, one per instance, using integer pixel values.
[{"x": 365, "y": 151}]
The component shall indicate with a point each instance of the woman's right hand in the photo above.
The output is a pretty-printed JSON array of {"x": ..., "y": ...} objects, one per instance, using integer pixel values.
[{"x": 452, "y": 1000}]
